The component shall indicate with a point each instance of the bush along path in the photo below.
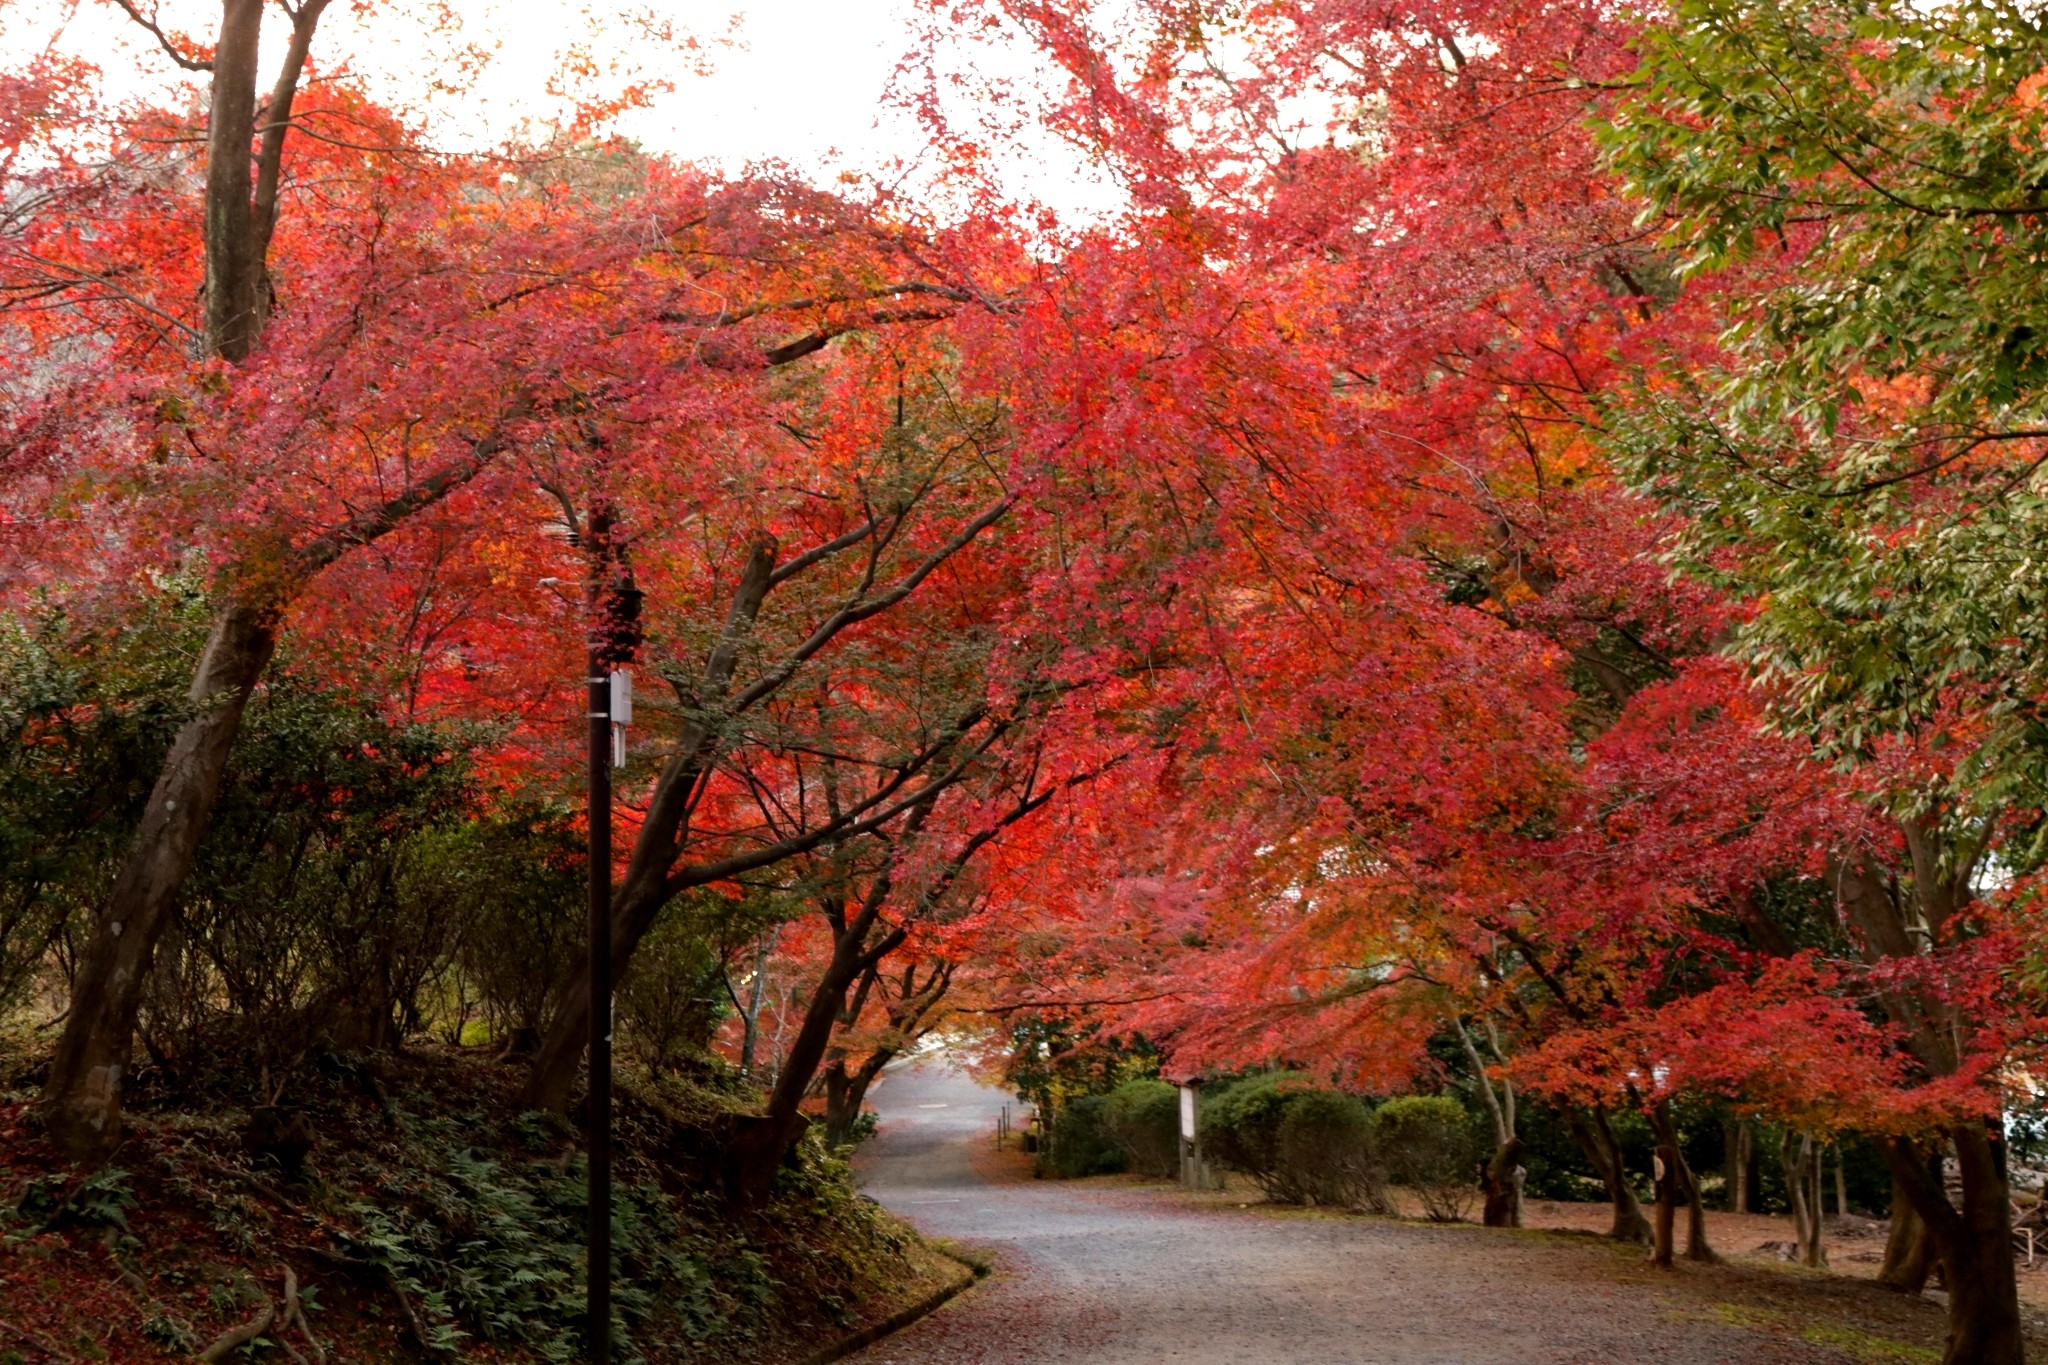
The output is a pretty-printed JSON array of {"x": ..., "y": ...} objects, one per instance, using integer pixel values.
[
  {"x": 1117, "y": 1270},
  {"x": 414, "y": 1212}
]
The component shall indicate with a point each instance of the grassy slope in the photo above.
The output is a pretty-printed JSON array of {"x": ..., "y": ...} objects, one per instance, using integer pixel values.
[{"x": 434, "y": 1221}]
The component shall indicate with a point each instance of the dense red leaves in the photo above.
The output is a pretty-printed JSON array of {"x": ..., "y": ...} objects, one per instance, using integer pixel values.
[
  {"x": 1451, "y": 738},
  {"x": 1291, "y": 561}
]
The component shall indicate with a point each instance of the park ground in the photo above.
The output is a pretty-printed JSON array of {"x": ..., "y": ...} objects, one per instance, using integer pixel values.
[{"x": 1118, "y": 1270}]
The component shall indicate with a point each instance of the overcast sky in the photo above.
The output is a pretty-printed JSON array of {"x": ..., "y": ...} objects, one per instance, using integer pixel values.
[{"x": 802, "y": 81}]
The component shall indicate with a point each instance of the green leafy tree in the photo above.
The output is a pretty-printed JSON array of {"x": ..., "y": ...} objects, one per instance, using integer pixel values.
[
  {"x": 1861, "y": 188},
  {"x": 1867, "y": 185}
]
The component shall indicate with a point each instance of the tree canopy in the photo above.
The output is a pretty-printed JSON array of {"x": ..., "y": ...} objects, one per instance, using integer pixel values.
[{"x": 1516, "y": 552}]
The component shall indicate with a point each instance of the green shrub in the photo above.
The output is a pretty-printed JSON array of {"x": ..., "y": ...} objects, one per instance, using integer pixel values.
[
  {"x": 1299, "y": 1144},
  {"x": 101, "y": 1200},
  {"x": 1081, "y": 1145},
  {"x": 863, "y": 1127},
  {"x": 1427, "y": 1143},
  {"x": 1240, "y": 1129},
  {"x": 1143, "y": 1118},
  {"x": 1327, "y": 1152}
]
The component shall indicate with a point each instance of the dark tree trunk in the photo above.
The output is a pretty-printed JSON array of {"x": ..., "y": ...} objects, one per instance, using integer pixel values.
[
  {"x": 1976, "y": 1253},
  {"x": 762, "y": 1142},
  {"x": 653, "y": 876},
  {"x": 1596, "y": 1139},
  {"x": 842, "y": 1104},
  {"x": 846, "y": 1091},
  {"x": 82, "y": 1097},
  {"x": 663, "y": 834},
  {"x": 910, "y": 1005},
  {"x": 1908, "y": 1250},
  {"x": 519, "y": 1042},
  {"x": 842, "y": 1112},
  {"x": 1503, "y": 1205},
  {"x": 1984, "y": 1326},
  {"x": 1696, "y": 1246},
  {"x": 1741, "y": 1139},
  {"x": 1973, "y": 1244},
  {"x": 241, "y": 191}
]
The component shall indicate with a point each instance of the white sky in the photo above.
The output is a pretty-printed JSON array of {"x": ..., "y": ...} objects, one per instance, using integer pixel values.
[{"x": 800, "y": 81}]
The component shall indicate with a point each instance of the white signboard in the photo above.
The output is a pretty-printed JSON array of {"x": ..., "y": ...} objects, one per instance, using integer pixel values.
[
  {"x": 1187, "y": 1112},
  {"x": 622, "y": 714}
]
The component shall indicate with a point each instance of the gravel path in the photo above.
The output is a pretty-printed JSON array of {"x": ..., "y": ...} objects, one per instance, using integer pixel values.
[{"x": 1094, "y": 1274}]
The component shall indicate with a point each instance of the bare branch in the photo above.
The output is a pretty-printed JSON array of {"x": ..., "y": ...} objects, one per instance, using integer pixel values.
[
  {"x": 277, "y": 120},
  {"x": 163, "y": 40}
]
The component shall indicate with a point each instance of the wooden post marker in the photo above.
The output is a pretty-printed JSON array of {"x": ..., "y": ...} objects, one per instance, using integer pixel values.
[
  {"x": 1666, "y": 1169},
  {"x": 1194, "y": 1172}
]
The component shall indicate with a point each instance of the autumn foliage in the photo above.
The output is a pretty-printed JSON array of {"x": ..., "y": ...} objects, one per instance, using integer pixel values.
[{"x": 1441, "y": 567}]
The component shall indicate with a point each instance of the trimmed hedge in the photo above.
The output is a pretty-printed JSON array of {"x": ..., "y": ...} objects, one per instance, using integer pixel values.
[
  {"x": 1081, "y": 1144},
  {"x": 1240, "y": 1129},
  {"x": 1299, "y": 1144},
  {"x": 1326, "y": 1146},
  {"x": 1427, "y": 1142},
  {"x": 1143, "y": 1118}
]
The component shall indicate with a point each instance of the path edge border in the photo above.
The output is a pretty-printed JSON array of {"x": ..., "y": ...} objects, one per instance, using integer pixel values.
[{"x": 900, "y": 1319}]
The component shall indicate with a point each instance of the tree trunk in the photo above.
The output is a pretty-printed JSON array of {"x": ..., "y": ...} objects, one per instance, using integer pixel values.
[
  {"x": 1803, "y": 1191},
  {"x": 1816, "y": 1206},
  {"x": 1668, "y": 1184},
  {"x": 750, "y": 1038},
  {"x": 1501, "y": 1179},
  {"x": 1696, "y": 1247},
  {"x": 1596, "y": 1139},
  {"x": 1908, "y": 1250},
  {"x": 82, "y": 1097},
  {"x": 1983, "y": 1305},
  {"x": 841, "y": 1104},
  {"x": 1794, "y": 1195},
  {"x": 845, "y": 1095},
  {"x": 561, "y": 1051},
  {"x": 652, "y": 876},
  {"x": 1741, "y": 1164},
  {"x": 234, "y": 250},
  {"x": 1503, "y": 1206},
  {"x": 762, "y": 1142},
  {"x": 663, "y": 834},
  {"x": 1973, "y": 1244}
]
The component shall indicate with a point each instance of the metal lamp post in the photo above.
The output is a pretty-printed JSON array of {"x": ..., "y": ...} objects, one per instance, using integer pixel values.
[
  {"x": 614, "y": 636},
  {"x": 599, "y": 1260}
]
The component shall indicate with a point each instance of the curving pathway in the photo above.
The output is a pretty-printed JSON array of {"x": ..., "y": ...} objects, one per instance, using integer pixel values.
[{"x": 1103, "y": 1274}]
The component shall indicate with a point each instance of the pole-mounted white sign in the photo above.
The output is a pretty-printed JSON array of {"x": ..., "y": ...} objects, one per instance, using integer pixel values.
[{"x": 622, "y": 714}]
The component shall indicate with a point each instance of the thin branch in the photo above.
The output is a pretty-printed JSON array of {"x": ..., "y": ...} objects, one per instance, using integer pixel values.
[{"x": 163, "y": 40}]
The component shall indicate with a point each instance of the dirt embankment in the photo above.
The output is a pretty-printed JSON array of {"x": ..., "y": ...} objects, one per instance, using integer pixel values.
[{"x": 432, "y": 1220}]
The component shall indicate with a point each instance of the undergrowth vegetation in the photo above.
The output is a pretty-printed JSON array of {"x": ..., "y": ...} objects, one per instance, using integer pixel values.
[{"x": 435, "y": 1219}]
